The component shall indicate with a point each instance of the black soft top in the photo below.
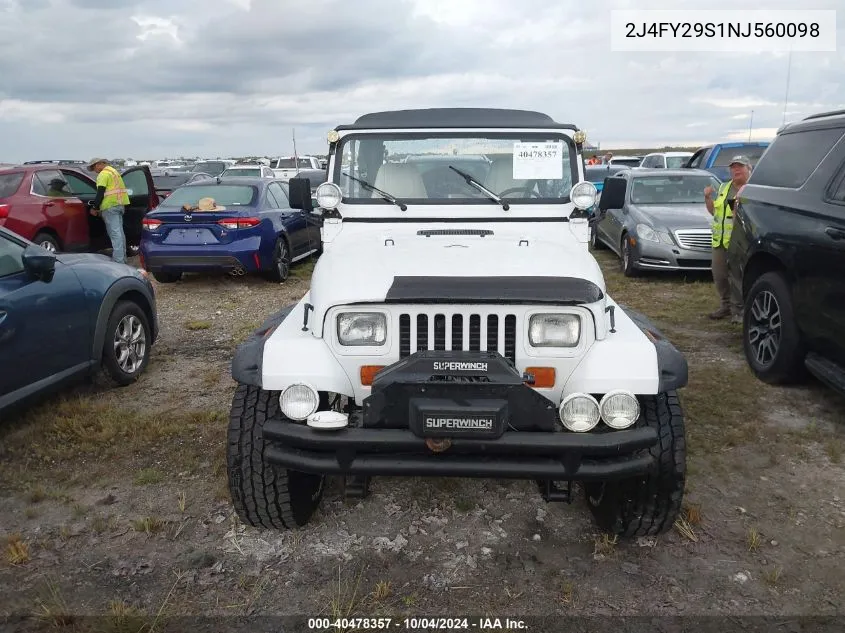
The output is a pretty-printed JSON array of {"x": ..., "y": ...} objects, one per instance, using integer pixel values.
[{"x": 455, "y": 118}]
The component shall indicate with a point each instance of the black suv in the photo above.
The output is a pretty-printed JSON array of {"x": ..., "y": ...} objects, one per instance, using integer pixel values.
[{"x": 787, "y": 254}]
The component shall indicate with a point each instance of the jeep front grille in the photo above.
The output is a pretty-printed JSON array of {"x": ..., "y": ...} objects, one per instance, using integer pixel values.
[
  {"x": 698, "y": 239},
  {"x": 454, "y": 332}
]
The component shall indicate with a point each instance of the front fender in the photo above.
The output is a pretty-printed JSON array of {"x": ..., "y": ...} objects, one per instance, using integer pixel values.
[
  {"x": 280, "y": 354},
  {"x": 629, "y": 359},
  {"x": 115, "y": 293}
]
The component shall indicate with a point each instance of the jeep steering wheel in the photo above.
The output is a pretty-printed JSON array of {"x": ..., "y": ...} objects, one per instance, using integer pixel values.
[{"x": 531, "y": 193}]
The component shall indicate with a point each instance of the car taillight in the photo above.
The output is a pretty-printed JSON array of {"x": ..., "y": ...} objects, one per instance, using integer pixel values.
[
  {"x": 238, "y": 223},
  {"x": 150, "y": 224},
  {"x": 4, "y": 210}
]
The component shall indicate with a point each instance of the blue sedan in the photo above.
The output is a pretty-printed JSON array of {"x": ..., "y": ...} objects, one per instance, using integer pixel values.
[
  {"x": 239, "y": 225},
  {"x": 65, "y": 316}
]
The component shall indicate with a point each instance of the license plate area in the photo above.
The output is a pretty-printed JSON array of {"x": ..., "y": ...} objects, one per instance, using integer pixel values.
[{"x": 464, "y": 417}]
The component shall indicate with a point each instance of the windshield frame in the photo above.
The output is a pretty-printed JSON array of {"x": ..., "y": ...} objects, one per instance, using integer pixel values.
[
  {"x": 462, "y": 133},
  {"x": 713, "y": 181}
]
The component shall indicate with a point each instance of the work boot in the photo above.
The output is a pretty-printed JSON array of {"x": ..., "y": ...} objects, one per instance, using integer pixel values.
[{"x": 721, "y": 313}]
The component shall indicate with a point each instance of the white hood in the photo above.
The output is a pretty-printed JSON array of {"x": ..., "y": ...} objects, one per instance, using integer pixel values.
[{"x": 360, "y": 267}]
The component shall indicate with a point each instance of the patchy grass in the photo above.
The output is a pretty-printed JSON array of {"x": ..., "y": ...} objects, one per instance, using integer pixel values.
[
  {"x": 51, "y": 606},
  {"x": 17, "y": 551},
  {"x": 753, "y": 540},
  {"x": 684, "y": 528},
  {"x": 101, "y": 524},
  {"x": 567, "y": 593},
  {"x": 773, "y": 576},
  {"x": 464, "y": 504},
  {"x": 147, "y": 476},
  {"x": 692, "y": 514},
  {"x": 605, "y": 545},
  {"x": 124, "y": 618},
  {"x": 243, "y": 329},
  {"x": 148, "y": 525},
  {"x": 198, "y": 325},
  {"x": 56, "y": 435},
  {"x": 833, "y": 448},
  {"x": 303, "y": 270},
  {"x": 381, "y": 591},
  {"x": 345, "y": 599}
]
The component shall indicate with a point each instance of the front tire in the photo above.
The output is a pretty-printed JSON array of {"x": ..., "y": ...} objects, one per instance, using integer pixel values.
[
  {"x": 770, "y": 336},
  {"x": 263, "y": 495},
  {"x": 595, "y": 243},
  {"x": 126, "y": 349},
  {"x": 647, "y": 505}
]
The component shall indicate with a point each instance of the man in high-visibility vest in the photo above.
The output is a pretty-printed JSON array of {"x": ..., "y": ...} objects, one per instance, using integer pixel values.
[
  {"x": 721, "y": 208},
  {"x": 110, "y": 202}
]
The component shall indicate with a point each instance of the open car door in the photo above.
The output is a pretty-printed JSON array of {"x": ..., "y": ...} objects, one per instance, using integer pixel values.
[{"x": 142, "y": 198}]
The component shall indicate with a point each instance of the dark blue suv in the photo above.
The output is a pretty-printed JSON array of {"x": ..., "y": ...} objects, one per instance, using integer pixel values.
[{"x": 63, "y": 317}]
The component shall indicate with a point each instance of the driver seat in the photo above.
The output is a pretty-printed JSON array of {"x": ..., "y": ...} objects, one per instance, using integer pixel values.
[
  {"x": 401, "y": 180},
  {"x": 500, "y": 178}
]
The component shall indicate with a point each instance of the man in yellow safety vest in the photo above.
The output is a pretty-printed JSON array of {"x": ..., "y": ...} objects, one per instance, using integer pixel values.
[
  {"x": 721, "y": 208},
  {"x": 111, "y": 200}
]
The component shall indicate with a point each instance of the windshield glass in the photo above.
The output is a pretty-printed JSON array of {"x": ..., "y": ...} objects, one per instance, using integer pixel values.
[
  {"x": 526, "y": 167},
  {"x": 726, "y": 154},
  {"x": 670, "y": 189},
  {"x": 630, "y": 162},
  {"x": 213, "y": 168},
  {"x": 676, "y": 162},
  {"x": 225, "y": 195},
  {"x": 249, "y": 171},
  {"x": 290, "y": 163}
]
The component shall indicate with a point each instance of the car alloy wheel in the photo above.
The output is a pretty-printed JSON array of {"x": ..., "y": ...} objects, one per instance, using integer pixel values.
[
  {"x": 281, "y": 260},
  {"x": 130, "y": 344},
  {"x": 764, "y": 328},
  {"x": 626, "y": 254},
  {"x": 47, "y": 245}
]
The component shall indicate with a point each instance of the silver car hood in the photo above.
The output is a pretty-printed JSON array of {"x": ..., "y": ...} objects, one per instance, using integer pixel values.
[{"x": 677, "y": 216}]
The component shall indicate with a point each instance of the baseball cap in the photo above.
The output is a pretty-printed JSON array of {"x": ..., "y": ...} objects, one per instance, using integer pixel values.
[{"x": 741, "y": 160}]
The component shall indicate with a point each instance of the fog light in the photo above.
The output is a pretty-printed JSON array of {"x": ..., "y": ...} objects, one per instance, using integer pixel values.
[
  {"x": 579, "y": 412},
  {"x": 328, "y": 420},
  {"x": 299, "y": 401},
  {"x": 619, "y": 409}
]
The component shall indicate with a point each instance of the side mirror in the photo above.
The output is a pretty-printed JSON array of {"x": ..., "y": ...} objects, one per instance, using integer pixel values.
[
  {"x": 613, "y": 194},
  {"x": 39, "y": 262},
  {"x": 299, "y": 191}
]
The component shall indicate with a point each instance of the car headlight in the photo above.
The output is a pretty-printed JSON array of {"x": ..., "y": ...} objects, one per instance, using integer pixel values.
[
  {"x": 554, "y": 330},
  {"x": 328, "y": 195},
  {"x": 583, "y": 195},
  {"x": 579, "y": 412},
  {"x": 619, "y": 409},
  {"x": 362, "y": 328},
  {"x": 645, "y": 232},
  {"x": 299, "y": 401}
]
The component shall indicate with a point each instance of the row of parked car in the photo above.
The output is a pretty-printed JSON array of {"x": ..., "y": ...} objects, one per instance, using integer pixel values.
[
  {"x": 785, "y": 257},
  {"x": 656, "y": 218},
  {"x": 787, "y": 250}
]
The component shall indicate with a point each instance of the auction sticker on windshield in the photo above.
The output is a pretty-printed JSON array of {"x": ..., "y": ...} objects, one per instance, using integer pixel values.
[{"x": 533, "y": 161}]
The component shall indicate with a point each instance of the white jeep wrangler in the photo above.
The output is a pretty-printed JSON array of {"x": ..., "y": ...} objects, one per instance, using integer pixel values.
[{"x": 457, "y": 325}]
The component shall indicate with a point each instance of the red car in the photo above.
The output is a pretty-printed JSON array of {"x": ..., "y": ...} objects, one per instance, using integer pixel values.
[{"x": 48, "y": 205}]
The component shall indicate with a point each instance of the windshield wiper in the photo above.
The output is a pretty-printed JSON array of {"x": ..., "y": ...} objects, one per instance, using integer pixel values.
[
  {"x": 383, "y": 194},
  {"x": 473, "y": 182}
]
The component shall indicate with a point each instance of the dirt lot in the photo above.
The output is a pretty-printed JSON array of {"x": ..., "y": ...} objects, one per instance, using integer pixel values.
[{"x": 114, "y": 503}]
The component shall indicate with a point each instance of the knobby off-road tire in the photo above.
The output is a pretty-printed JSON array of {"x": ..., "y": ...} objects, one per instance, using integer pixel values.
[
  {"x": 263, "y": 495},
  {"x": 647, "y": 505}
]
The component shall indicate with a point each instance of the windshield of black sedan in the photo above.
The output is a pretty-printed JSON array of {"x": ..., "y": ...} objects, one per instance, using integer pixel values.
[
  {"x": 670, "y": 189},
  {"x": 521, "y": 168}
]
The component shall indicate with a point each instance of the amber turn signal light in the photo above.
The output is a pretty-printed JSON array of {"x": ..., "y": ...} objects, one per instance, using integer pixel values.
[
  {"x": 544, "y": 377},
  {"x": 368, "y": 373}
]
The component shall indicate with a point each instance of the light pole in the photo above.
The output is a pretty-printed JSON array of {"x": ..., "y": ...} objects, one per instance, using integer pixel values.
[
  {"x": 750, "y": 123},
  {"x": 786, "y": 96}
]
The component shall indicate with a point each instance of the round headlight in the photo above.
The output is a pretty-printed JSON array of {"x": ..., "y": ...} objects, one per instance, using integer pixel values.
[
  {"x": 583, "y": 195},
  {"x": 619, "y": 409},
  {"x": 332, "y": 136},
  {"x": 579, "y": 412},
  {"x": 328, "y": 195},
  {"x": 580, "y": 136},
  {"x": 299, "y": 401}
]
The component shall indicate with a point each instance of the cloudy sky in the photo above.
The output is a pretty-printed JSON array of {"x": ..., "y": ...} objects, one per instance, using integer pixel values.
[{"x": 164, "y": 78}]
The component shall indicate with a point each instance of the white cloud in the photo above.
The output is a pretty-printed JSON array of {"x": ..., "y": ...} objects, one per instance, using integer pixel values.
[{"x": 237, "y": 78}]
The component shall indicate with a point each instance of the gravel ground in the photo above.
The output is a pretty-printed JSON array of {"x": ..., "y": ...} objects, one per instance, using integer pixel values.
[{"x": 149, "y": 532}]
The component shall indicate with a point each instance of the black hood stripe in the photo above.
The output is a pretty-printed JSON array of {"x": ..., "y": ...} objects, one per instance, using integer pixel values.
[{"x": 502, "y": 290}]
